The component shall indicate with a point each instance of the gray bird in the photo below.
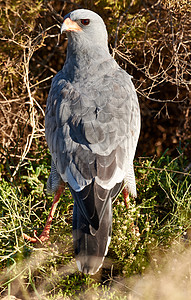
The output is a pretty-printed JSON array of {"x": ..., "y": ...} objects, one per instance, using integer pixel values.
[{"x": 92, "y": 126}]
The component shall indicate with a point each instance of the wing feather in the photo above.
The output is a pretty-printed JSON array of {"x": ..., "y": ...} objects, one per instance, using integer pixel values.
[{"x": 92, "y": 132}]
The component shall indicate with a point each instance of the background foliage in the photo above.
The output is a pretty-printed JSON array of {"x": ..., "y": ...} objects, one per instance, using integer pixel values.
[{"x": 151, "y": 40}]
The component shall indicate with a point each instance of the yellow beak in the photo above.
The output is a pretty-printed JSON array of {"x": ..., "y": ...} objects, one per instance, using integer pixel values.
[{"x": 70, "y": 25}]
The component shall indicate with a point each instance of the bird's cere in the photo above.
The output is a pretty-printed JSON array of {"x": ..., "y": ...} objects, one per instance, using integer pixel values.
[{"x": 70, "y": 25}]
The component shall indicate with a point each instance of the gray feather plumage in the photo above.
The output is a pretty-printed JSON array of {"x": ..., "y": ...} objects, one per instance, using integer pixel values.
[
  {"x": 97, "y": 128},
  {"x": 92, "y": 123}
]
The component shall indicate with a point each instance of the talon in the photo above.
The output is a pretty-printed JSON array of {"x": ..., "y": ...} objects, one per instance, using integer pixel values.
[
  {"x": 30, "y": 239},
  {"x": 44, "y": 237}
]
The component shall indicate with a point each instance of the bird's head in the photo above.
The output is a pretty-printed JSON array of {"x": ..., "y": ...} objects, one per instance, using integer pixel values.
[{"x": 86, "y": 27}]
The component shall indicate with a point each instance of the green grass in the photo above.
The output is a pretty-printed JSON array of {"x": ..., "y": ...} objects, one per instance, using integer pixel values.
[{"x": 151, "y": 226}]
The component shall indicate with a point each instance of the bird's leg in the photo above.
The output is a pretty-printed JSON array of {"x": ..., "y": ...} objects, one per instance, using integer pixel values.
[
  {"x": 126, "y": 196},
  {"x": 45, "y": 234}
]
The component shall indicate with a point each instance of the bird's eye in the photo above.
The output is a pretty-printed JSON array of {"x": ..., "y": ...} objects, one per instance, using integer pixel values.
[{"x": 85, "y": 21}]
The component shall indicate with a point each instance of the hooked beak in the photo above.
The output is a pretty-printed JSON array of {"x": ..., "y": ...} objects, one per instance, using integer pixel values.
[{"x": 70, "y": 25}]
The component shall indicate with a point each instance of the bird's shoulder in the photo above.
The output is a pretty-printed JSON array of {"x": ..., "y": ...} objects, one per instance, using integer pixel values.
[{"x": 100, "y": 102}]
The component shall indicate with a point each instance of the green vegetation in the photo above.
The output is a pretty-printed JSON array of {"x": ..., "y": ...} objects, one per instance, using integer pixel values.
[{"x": 152, "y": 223}]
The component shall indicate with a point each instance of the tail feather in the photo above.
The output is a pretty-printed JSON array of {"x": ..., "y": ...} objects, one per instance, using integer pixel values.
[
  {"x": 91, "y": 247},
  {"x": 92, "y": 225}
]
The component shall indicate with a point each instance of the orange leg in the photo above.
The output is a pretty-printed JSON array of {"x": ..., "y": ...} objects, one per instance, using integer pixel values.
[
  {"x": 46, "y": 231},
  {"x": 126, "y": 196}
]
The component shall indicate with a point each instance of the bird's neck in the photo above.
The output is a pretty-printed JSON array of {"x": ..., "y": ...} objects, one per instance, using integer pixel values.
[{"x": 84, "y": 59}]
